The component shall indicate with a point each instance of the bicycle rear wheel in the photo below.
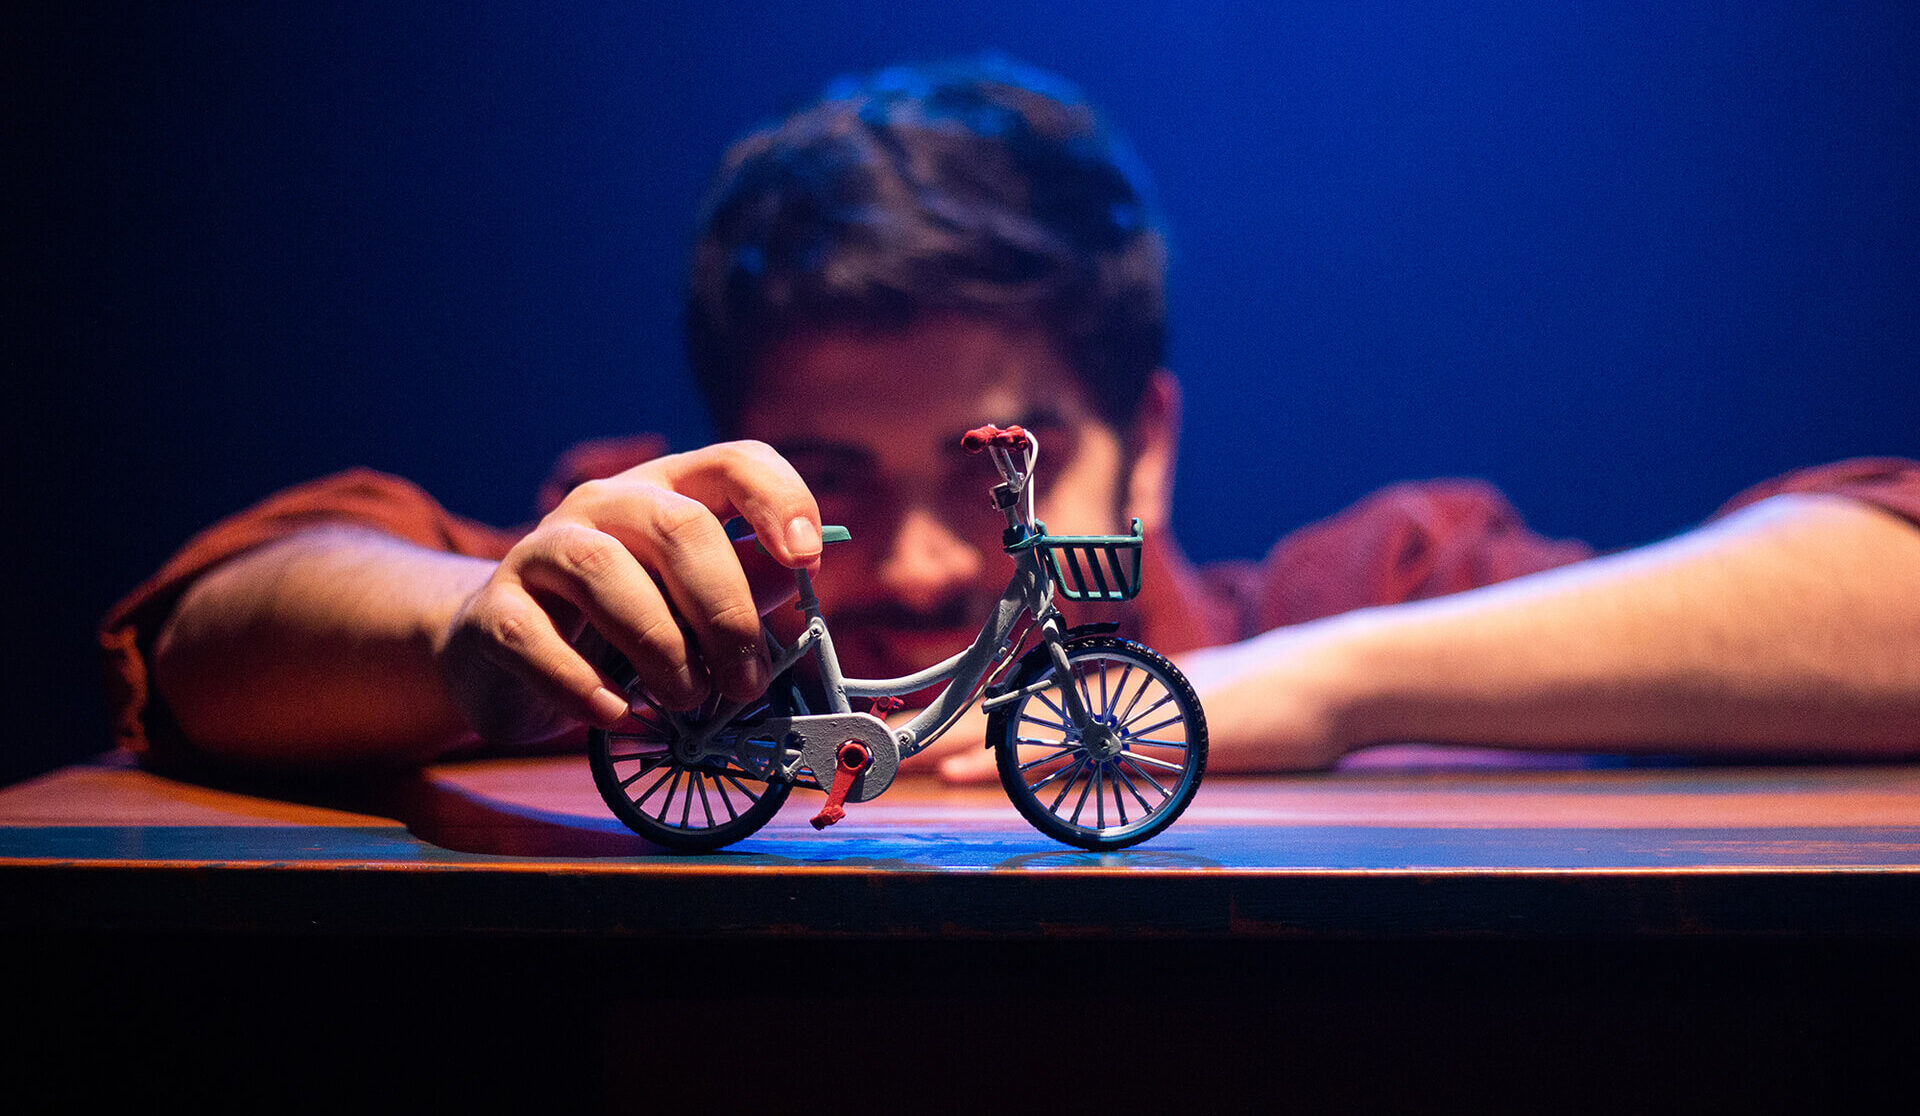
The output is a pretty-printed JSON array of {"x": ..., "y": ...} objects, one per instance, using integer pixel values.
[
  {"x": 723, "y": 797},
  {"x": 1123, "y": 776}
]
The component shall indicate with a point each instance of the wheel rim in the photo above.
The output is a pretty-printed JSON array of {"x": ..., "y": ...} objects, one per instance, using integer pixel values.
[
  {"x": 719, "y": 798},
  {"x": 1117, "y": 791}
]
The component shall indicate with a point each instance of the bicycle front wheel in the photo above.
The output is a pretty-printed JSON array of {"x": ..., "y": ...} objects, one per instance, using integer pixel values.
[{"x": 1123, "y": 775}]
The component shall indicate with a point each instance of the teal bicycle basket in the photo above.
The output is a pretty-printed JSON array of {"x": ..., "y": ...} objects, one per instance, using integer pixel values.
[{"x": 1090, "y": 567}]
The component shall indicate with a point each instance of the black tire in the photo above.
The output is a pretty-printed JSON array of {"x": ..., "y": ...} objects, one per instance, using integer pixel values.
[
  {"x": 1161, "y": 733},
  {"x": 692, "y": 807}
]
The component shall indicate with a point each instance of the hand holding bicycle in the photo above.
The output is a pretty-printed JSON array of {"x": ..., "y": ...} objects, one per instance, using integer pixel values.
[{"x": 644, "y": 561}]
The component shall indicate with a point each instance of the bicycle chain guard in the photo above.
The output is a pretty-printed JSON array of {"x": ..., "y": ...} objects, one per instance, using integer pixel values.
[{"x": 819, "y": 737}]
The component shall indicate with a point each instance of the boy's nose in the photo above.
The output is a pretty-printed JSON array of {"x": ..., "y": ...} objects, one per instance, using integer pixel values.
[{"x": 927, "y": 563}]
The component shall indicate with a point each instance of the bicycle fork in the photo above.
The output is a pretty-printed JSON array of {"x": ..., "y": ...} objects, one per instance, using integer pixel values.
[{"x": 1095, "y": 734}]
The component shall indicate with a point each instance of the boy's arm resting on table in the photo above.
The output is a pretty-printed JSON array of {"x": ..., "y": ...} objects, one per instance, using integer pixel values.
[
  {"x": 342, "y": 645},
  {"x": 1790, "y": 628},
  {"x": 317, "y": 649}
]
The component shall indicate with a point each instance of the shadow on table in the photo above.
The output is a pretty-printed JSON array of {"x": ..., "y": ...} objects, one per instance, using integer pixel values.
[{"x": 451, "y": 817}]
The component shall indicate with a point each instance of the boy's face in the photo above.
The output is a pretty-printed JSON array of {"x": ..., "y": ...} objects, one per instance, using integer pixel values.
[{"x": 873, "y": 421}]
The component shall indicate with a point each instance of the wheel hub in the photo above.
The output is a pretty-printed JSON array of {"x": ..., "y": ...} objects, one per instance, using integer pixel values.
[{"x": 1101, "y": 741}]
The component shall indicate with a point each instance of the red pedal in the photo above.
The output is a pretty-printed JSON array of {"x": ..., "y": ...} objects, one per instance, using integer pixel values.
[{"x": 852, "y": 758}]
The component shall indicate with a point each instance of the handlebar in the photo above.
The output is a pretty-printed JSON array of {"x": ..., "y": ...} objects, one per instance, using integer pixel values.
[
  {"x": 980, "y": 437},
  {"x": 1014, "y": 453}
]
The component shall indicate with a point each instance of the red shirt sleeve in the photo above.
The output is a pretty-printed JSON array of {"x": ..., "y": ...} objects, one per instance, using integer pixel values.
[
  {"x": 1430, "y": 538},
  {"x": 1889, "y": 483},
  {"x": 1403, "y": 543},
  {"x": 359, "y": 497}
]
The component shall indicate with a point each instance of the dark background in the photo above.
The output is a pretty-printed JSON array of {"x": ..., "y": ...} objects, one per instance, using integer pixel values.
[{"x": 1621, "y": 259}]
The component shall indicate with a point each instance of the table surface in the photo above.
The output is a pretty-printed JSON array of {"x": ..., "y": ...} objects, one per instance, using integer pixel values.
[{"x": 525, "y": 846}]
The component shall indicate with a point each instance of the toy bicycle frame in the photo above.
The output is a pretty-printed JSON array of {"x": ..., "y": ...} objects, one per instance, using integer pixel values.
[
  {"x": 1063, "y": 738},
  {"x": 1029, "y": 592}
]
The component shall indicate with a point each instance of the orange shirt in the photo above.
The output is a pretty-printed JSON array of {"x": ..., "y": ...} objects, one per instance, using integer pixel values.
[{"x": 1406, "y": 542}]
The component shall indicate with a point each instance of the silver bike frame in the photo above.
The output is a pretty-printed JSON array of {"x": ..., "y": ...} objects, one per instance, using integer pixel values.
[{"x": 1029, "y": 591}]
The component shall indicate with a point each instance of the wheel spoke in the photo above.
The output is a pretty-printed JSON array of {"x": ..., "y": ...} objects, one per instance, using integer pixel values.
[
  {"x": 1058, "y": 712},
  {"x": 1062, "y": 750},
  {"x": 1043, "y": 722},
  {"x": 1146, "y": 682},
  {"x": 1120, "y": 769},
  {"x": 644, "y": 768},
  {"x": 726, "y": 801},
  {"x": 657, "y": 784},
  {"x": 1148, "y": 777},
  {"x": 1154, "y": 761},
  {"x": 666, "y": 803},
  {"x": 1119, "y": 688},
  {"x": 705, "y": 806},
  {"x": 1119, "y": 804},
  {"x": 1132, "y": 716},
  {"x": 1085, "y": 688},
  {"x": 1072, "y": 773},
  {"x": 1152, "y": 743},
  {"x": 1173, "y": 720},
  {"x": 1081, "y": 803},
  {"x": 1067, "y": 770},
  {"x": 748, "y": 791},
  {"x": 651, "y": 739},
  {"x": 660, "y": 713}
]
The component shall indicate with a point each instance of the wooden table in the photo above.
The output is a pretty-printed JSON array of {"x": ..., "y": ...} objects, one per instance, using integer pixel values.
[{"x": 1360, "y": 933}]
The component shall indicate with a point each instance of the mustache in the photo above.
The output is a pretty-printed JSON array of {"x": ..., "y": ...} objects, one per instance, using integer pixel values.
[{"x": 954, "y": 612}]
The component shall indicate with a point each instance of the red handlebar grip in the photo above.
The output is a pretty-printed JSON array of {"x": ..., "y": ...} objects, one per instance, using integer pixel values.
[{"x": 980, "y": 437}]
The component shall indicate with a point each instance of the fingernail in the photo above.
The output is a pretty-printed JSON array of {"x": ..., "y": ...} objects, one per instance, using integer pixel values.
[
  {"x": 803, "y": 538},
  {"x": 609, "y": 706}
]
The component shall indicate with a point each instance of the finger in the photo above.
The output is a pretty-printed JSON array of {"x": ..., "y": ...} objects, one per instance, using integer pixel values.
[
  {"x": 752, "y": 480},
  {"x": 595, "y": 573},
  {"x": 680, "y": 540},
  {"x": 516, "y": 634}
]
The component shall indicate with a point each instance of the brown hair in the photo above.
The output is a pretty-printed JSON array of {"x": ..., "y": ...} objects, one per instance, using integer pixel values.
[{"x": 979, "y": 187}]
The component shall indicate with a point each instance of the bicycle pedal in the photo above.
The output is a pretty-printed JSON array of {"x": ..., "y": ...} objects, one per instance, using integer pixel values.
[{"x": 852, "y": 758}]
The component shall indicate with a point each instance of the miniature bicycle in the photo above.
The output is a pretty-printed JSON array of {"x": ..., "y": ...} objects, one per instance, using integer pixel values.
[{"x": 1100, "y": 741}]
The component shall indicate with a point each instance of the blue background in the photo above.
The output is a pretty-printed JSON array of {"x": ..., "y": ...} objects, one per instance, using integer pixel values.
[{"x": 1620, "y": 259}]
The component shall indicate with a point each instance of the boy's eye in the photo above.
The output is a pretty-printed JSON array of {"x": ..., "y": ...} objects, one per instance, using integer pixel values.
[
  {"x": 838, "y": 483},
  {"x": 828, "y": 473},
  {"x": 823, "y": 481}
]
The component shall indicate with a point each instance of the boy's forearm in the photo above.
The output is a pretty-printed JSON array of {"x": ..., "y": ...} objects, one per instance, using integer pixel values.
[
  {"x": 317, "y": 650},
  {"x": 1792, "y": 628}
]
